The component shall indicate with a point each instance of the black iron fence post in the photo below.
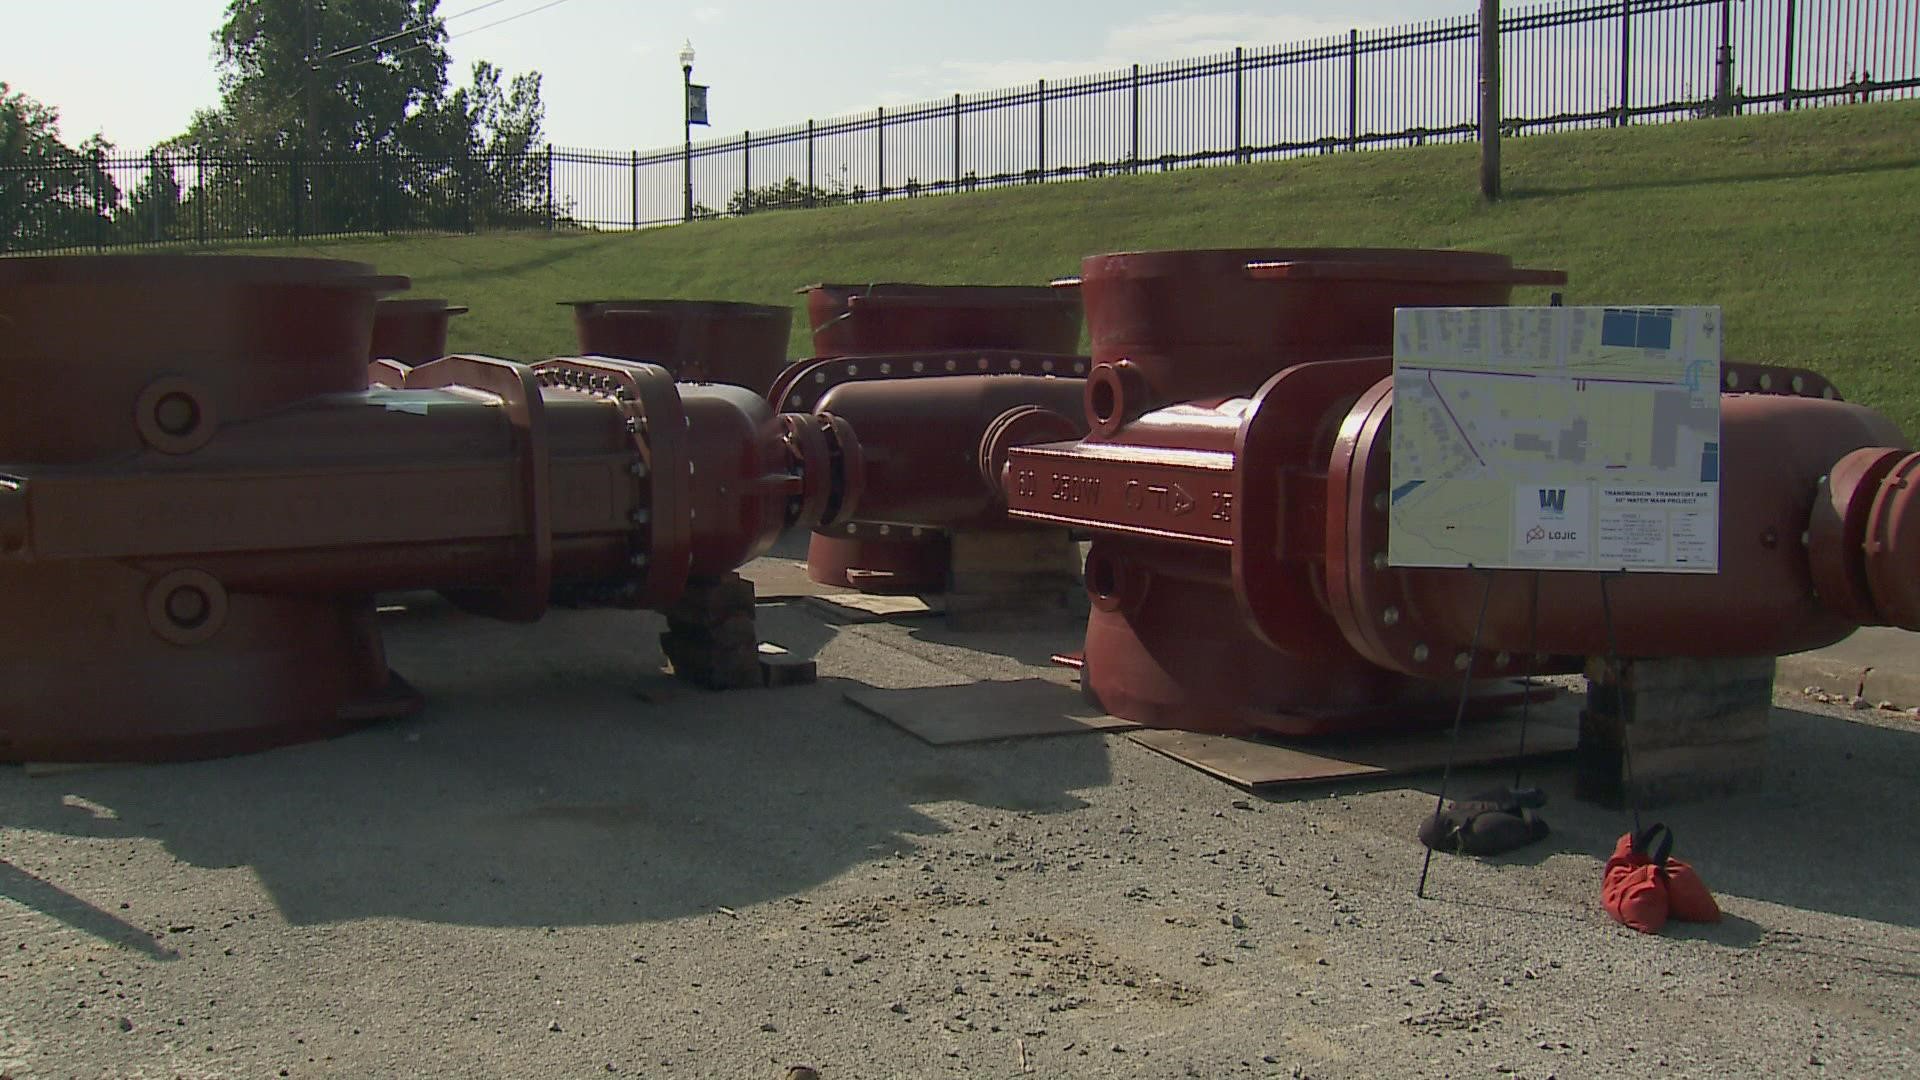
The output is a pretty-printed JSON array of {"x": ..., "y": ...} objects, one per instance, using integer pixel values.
[
  {"x": 1723, "y": 63},
  {"x": 380, "y": 190},
  {"x": 1353, "y": 89},
  {"x": 746, "y": 171},
  {"x": 160, "y": 213},
  {"x": 200, "y": 197},
  {"x": 1490, "y": 99},
  {"x": 1040, "y": 110},
  {"x": 293, "y": 193},
  {"x": 956, "y": 142},
  {"x": 1786, "y": 84},
  {"x": 1239, "y": 137},
  {"x": 880, "y": 152},
  {"x": 810, "y": 173},
  {"x": 1133, "y": 158},
  {"x": 1626, "y": 63},
  {"x": 550, "y": 215},
  {"x": 99, "y": 186},
  {"x": 633, "y": 188},
  {"x": 466, "y": 187}
]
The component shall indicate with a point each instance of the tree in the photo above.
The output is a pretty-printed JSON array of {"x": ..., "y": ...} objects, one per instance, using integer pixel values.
[
  {"x": 353, "y": 96},
  {"x": 327, "y": 76},
  {"x": 51, "y": 194},
  {"x": 152, "y": 211},
  {"x": 493, "y": 133}
]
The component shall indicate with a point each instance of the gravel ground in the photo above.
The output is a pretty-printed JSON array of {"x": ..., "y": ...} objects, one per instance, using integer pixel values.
[{"x": 564, "y": 868}]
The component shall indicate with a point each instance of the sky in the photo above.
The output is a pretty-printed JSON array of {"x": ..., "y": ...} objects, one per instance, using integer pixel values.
[{"x": 135, "y": 70}]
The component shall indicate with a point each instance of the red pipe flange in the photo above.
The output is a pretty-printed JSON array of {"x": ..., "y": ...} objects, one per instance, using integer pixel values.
[
  {"x": 1837, "y": 531},
  {"x": 1893, "y": 545}
]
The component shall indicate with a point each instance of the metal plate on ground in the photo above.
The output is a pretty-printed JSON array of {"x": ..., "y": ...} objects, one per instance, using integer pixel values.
[
  {"x": 984, "y": 711},
  {"x": 1267, "y": 762},
  {"x": 873, "y": 607}
]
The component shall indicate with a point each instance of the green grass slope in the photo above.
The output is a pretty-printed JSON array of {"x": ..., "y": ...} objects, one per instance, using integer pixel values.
[{"x": 1805, "y": 227}]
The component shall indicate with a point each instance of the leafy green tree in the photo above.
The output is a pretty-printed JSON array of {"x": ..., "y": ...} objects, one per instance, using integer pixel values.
[
  {"x": 490, "y": 132},
  {"x": 152, "y": 210},
  {"x": 352, "y": 98},
  {"x": 341, "y": 76},
  {"x": 51, "y": 194}
]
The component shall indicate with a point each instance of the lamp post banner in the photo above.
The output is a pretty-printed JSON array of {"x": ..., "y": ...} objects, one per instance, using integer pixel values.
[{"x": 696, "y": 104}]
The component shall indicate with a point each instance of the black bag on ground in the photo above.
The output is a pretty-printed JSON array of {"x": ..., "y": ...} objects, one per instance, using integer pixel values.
[{"x": 1487, "y": 823}]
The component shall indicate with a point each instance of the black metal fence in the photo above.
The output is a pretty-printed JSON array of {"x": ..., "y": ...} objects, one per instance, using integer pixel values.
[
  {"x": 1564, "y": 65},
  {"x": 162, "y": 197}
]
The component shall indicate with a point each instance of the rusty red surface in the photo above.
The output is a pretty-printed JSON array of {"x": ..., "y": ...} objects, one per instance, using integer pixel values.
[
  {"x": 1240, "y": 407},
  {"x": 887, "y": 317},
  {"x": 1215, "y": 323},
  {"x": 411, "y": 331},
  {"x": 719, "y": 341},
  {"x": 189, "y": 550},
  {"x": 941, "y": 381}
]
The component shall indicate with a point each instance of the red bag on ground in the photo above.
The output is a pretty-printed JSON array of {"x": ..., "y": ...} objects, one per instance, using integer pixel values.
[
  {"x": 1643, "y": 886},
  {"x": 1688, "y": 898},
  {"x": 1633, "y": 890}
]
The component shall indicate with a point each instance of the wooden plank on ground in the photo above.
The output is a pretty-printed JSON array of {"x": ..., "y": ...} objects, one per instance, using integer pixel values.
[
  {"x": 983, "y": 711},
  {"x": 1265, "y": 762},
  {"x": 854, "y": 607}
]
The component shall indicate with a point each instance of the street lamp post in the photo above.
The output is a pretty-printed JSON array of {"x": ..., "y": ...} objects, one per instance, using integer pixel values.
[{"x": 686, "y": 122}]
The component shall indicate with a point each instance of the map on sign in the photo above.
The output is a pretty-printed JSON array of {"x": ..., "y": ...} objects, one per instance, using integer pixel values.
[{"x": 1562, "y": 438}]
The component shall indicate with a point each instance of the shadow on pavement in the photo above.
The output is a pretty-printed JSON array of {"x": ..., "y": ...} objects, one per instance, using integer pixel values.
[
  {"x": 539, "y": 788},
  {"x": 43, "y": 896},
  {"x": 1822, "y": 836}
]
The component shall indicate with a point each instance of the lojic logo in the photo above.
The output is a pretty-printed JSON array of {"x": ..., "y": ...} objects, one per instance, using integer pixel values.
[{"x": 1550, "y": 521}]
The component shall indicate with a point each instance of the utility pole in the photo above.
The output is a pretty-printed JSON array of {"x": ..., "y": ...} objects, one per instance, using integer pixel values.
[{"x": 1490, "y": 99}]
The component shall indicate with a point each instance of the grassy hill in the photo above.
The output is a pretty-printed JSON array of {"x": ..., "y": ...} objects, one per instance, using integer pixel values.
[{"x": 1804, "y": 226}]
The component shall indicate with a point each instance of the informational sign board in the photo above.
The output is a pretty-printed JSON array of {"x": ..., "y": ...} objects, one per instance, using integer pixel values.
[{"x": 1556, "y": 438}]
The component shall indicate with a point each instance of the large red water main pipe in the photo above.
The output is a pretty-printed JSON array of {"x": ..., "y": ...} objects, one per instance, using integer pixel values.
[
  {"x": 1236, "y": 476},
  {"x": 720, "y": 341},
  {"x": 942, "y": 380},
  {"x": 197, "y": 507},
  {"x": 411, "y": 330}
]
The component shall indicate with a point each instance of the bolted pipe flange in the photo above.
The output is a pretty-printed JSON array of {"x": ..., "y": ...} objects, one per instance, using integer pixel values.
[
  {"x": 1023, "y": 425},
  {"x": 1837, "y": 532},
  {"x": 810, "y": 459},
  {"x": 849, "y": 470},
  {"x": 1893, "y": 545}
]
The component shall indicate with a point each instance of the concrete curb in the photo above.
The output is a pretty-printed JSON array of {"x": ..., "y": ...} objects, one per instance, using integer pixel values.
[{"x": 1849, "y": 680}]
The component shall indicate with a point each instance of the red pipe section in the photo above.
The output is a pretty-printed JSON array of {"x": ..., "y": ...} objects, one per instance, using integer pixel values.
[
  {"x": 189, "y": 548},
  {"x": 1236, "y": 475},
  {"x": 941, "y": 380},
  {"x": 411, "y": 331},
  {"x": 717, "y": 341}
]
